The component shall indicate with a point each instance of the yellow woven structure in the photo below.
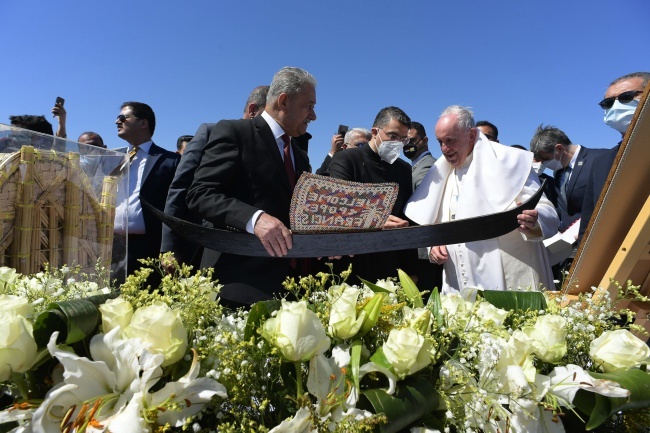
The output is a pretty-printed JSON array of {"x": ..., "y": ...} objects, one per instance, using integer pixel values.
[{"x": 50, "y": 213}]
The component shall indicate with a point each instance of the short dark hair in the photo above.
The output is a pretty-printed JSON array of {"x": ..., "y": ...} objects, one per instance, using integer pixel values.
[
  {"x": 545, "y": 139},
  {"x": 182, "y": 139},
  {"x": 33, "y": 123},
  {"x": 491, "y": 125},
  {"x": 519, "y": 146},
  {"x": 419, "y": 128},
  {"x": 142, "y": 111},
  {"x": 257, "y": 97},
  {"x": 385, "y": 114},
  {"x": 99, "y": 137}
]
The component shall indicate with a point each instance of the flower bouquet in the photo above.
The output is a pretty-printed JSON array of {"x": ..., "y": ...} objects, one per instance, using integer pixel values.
[{"x": 329, "y": 357}]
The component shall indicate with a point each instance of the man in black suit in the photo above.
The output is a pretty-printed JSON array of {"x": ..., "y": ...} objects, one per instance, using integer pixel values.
[
  {"x": 245, "y": 181},
  {"x": 151, "y": 170},
  {"x": 377, "y": 163},
  {"x": 571, "y": 164},
  {"x": 176, "y": 204},
  {"x": 620, "y": 102}
]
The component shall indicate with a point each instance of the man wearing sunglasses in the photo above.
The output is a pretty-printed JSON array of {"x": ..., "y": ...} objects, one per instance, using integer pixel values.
[
  {"x": 620, "y": 102},
  {"x": 151, "y": 170}
]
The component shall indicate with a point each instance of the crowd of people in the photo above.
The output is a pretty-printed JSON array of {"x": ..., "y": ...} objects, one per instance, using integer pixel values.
[{"x": 240, "y": 174}]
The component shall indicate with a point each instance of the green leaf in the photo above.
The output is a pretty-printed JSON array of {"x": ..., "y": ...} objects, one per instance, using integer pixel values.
[
  {"x": 375, "y": 288},
  {"x": 515, "y": 300},
  {"x": 75, "y": 320},
  {"x": 355, "y": 360},
  {"x": 435, "y": 306},
  {"x": 380, "y": 359},
  {"x": 410, "y": 289},
  {"x": 259, "y": 312},
  {"x": 599, "y": 407},
  {"x": 414, "y": 398}
]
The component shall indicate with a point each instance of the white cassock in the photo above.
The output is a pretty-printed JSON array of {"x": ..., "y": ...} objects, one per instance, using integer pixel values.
[{"x": 494, "y": 178}]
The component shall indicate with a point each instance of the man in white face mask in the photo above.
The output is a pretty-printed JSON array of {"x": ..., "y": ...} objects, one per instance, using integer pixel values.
[
  {"x": 571, "y": 164},
  {"x": 620, "y": 102},
  {"x": 379, "y": 162}
]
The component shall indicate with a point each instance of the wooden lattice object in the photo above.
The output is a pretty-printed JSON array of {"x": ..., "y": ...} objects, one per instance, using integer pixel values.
[{"x": 50, "y": 213}]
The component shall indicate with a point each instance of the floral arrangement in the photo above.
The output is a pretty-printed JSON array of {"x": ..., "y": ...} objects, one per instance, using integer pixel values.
[{"x": 330, "y": 357}]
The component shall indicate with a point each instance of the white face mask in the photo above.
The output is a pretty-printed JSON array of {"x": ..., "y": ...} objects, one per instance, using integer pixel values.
[
  {"x": 538, "y": 167},
  {"x": 620, "y": 115},
  {"x": 553, "y": 164},
  {"x": 389, "y": 150}
]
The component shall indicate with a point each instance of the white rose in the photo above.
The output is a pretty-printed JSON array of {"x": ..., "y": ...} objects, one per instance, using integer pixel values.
[
  {"x": 17, "y": 345},
  {"x": 162, "y": 328},
  {"x": 7, "y": 278},
  {"x": 549, "y": 337},
  {"x": 15, "y": 305},
  {"x": 116, "y": 312},
  {"x": 407, "y": 351},
  {"x": 489, "y": 313},
  {"x": 296, "y": 331},
  {"x": 619, "y": 349},
  {"x": 344, "y": 322}
]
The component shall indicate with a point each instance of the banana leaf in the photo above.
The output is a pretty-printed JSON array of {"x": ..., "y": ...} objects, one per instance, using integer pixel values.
[
  {"x": 515, "y": 300},
  {"x": 599, "y": 407},
  {"x": 260, "y": 311},
  {"x": 74, "y": 320},
  {"x": 415, "y": 399}
]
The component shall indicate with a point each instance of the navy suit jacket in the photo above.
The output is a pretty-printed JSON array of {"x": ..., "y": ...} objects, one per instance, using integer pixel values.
[
  {"x": 571, "y": 210},
  {"x": 596, "y": 181},
  {"x": 176, "y": 204},
  {"x": 241, "y": 172}
]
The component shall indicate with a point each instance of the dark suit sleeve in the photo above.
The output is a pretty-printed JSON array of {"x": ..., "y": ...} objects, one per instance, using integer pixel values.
[
  {"x": 325, "y": 167},
  {"x": 341, "y": 167},
  {"x": 217, "y": 174},
  {"x": 176, "y": 204}
]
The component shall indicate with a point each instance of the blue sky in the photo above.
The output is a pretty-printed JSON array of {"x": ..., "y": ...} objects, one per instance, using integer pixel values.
[{"x": 517, "y": 63}]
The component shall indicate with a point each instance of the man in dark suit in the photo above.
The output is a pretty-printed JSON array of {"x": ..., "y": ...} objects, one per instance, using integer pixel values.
[
  {"x": 176, "y": 204},
  {"x": 377, "y": 163},
  {"x": 620, "y": 102},
  {"x": 245, "y": 181},
  {"x": 571, "y": 164},
  {"x": 151, "y": 170}
]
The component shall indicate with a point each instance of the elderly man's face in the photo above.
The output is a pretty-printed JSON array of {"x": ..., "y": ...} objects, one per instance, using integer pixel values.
[
  {"x": 298, "y": 111},
  {"x": 455, "y": 143}
]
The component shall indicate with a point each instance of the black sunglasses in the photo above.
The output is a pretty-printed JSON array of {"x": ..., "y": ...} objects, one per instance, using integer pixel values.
[
  {"x": 624, "y": 98},
  {"x": 122, "y": 118}
]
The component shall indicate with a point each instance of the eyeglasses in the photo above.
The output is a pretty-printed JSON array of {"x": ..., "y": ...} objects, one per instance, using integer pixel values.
[
  {"x": 357, "y": 144},
  {"x": 623, "y": 98},
  {"x": 394, "y": 137},
  {"x": 122, "y": 118},
  {"x": 414, "y": 143}
]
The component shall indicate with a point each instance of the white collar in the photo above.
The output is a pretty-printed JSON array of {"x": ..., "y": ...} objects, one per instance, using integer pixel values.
[{"x": 276, "y": 129}]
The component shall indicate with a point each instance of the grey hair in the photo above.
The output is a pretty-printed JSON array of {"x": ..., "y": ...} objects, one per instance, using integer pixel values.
[
  {"x": 257, "y": 97},
  {"x": 357, "y": 131},
  {"x": 645, "y": 76},
  {"x": 289, "y": 80},
  {"x": 465, "y": 116},
  {"x": 546, "y": 138}
]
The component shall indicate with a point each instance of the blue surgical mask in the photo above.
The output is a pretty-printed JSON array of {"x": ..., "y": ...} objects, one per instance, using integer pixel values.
[{"x": 620, "y": 115}]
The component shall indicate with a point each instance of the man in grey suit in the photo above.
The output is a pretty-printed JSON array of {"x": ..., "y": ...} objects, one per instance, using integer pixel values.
[
  {"x": 176, "y": 204},
  {"x": 429, "y": 274},
  {"x": 418, "y": 152}
]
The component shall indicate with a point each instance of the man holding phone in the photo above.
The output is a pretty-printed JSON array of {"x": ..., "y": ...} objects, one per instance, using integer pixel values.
[{"x": 59, "y": 112}]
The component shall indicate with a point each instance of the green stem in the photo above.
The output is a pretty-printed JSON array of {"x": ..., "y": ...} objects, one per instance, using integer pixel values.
[
  {"x": 299, "y": 391},
  {"x": 20, "y": 382}
]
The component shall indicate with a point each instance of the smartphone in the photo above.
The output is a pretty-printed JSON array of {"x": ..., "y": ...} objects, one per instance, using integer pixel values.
[
  {"x": 59, "y": 101},
  {"x": 342, "y": 130}
]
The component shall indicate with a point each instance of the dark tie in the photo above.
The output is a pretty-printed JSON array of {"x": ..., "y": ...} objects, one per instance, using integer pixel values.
[
  {"x": 288, "y": 166},
  {"x": 564, "y": 180}
]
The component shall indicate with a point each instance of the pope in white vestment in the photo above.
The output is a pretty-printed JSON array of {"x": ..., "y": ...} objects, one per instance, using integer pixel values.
[{"x": 488, "y": 178}]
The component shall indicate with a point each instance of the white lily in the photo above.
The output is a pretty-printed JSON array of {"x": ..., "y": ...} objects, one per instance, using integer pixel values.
[
  {"x": 300, "y": 423},
  {"x": 567, "y": 380}
]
